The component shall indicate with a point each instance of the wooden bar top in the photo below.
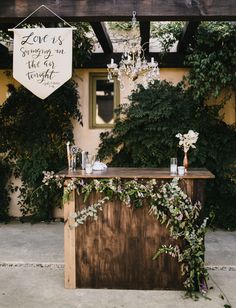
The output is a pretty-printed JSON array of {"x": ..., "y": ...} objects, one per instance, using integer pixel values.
[{"x": 139, "y": 173}]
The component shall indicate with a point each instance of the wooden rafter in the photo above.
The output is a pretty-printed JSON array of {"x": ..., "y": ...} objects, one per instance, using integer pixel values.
[
  {"x": 95, "y": 12},
  {"x": 100, "y": 31},
  {"x": 187, "y": 36},
  {"x": 100, "y": 60},
  {"x": 105, "y": 10},
  {"x": 145, "y": 34}
]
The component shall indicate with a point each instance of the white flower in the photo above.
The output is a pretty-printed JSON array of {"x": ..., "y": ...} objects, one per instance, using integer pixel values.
[
  {"x": 179, "y": 217},
  {"x": 187, "y": 140}
]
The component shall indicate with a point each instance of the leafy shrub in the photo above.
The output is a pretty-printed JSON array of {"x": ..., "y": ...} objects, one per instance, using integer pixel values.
[
  {"x": 213, "y": 60},
  {"x": 144, "y": 136},
  {"x": 167, "y": 33},
  {"x": 34, "y": 133},
  {"x": 82, "y": 44}
]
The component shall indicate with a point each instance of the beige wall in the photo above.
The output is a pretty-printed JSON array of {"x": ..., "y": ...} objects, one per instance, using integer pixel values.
[
  {"x": 88, "y": 139},
  {"x": 173, "y": 75},
  {"x": 4, "y": 81},
  {"x": 229, "y": 111}
]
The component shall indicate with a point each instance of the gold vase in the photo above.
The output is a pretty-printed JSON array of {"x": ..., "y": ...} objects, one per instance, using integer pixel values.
[{"x": 185, "y": 162}]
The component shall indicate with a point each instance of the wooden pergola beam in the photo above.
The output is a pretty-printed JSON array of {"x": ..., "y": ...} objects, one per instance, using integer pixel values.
[
  {"x": 145, "y": 34},
  {"x": 107, "y": 10},
  {"x": 100, "y": 31},
  {"x": 187, "y": 36},
  {"x": 100, "y": 60}
]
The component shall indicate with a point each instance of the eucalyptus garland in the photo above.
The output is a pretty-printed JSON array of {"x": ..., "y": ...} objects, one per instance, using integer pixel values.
[{"x": 168, "y": 203}]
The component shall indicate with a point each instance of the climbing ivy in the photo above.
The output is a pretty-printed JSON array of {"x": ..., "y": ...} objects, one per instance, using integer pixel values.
[
  {"x": 213, "y": 60},
  {"x": 167, "y": 33},
  {"x": 34, "y": 133},
  {"x": 122, "y": 26},
  {"x": 82, "y": 44}
]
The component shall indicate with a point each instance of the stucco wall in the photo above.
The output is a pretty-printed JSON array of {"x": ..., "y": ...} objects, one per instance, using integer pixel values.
[
  {"x": 5, "y": 79},
  {"x": 88, "y": 139}
]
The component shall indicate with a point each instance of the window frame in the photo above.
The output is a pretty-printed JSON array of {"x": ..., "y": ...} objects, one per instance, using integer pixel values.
[{"x": 93, "y": 77}]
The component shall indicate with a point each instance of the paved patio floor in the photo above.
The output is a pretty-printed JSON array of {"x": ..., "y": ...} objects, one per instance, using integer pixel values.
[{"x": 31, "y": 274}]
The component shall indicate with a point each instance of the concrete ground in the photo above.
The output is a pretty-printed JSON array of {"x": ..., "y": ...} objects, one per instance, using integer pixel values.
[{"x": 31, "y": 274}]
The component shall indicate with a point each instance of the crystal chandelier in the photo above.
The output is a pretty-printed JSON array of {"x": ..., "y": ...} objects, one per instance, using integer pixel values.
[{"x": 133, "y": 63}]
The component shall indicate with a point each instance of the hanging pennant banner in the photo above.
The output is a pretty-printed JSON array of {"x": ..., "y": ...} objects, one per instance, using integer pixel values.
[{"x": 42, "y": 58}]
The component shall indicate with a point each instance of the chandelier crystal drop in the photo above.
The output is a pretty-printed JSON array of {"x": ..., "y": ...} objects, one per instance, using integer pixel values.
[{"x": 133, "y": 63}]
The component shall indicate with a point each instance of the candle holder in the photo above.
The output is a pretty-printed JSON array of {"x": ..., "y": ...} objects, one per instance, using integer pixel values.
[
  {"x": 74, "y": 151},
  {"x": 68, "y": 151},
  {"x": 173, "y": 166}
]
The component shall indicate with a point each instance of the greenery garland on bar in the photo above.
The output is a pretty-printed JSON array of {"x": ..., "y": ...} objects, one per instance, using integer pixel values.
[{"x": 168, "y": 203}]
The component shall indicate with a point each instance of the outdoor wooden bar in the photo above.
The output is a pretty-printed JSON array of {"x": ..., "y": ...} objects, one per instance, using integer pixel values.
[{"x": 116, "y": 250}]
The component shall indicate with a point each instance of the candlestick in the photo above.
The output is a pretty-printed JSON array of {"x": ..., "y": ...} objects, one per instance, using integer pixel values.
[{"x": 68, "y": 154}]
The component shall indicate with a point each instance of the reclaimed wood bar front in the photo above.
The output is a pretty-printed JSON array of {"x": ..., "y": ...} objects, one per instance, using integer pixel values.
[{"x": 116, "y": 250}]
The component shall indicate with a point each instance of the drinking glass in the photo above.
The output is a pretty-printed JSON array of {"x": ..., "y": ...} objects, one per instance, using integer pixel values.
[
  {"x": 181, "y": 170},
  {"x": 173, "y": 165},
  {"x": 89, "y": 161}
]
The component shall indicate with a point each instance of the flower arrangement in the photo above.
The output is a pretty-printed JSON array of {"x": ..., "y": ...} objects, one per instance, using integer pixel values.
[{"x": 188, "y": 140}]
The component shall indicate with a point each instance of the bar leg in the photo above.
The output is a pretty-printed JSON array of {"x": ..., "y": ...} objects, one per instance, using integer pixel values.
[{"x": 69, "y": 244}]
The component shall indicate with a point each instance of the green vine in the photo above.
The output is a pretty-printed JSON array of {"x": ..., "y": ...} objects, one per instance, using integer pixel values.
[
  {"x": 82, "y": 44},
  {"x": 213, "y": 61},
  {"x": 34, "y": 133},
  {"x": 122, "y": 26},
  {"x": 167, "y": 33},
  {"x": 169, "y": 205}
]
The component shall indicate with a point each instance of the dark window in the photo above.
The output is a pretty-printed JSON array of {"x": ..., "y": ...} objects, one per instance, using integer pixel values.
[{"x": 103, "y": 100}]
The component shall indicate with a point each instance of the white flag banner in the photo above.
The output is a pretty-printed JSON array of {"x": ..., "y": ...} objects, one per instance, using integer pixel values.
[{"x": 42, "y": 58}]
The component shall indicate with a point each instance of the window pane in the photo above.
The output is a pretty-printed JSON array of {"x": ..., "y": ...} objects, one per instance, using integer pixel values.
[{"x": 104, "y": 102}]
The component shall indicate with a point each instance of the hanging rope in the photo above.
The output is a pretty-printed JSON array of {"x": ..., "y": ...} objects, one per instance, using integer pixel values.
[{"x": 39, "y": 8}]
